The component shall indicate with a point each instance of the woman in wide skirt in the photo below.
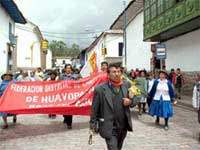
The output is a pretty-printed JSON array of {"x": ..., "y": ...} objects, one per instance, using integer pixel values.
[{"x": 162, "y": 95}]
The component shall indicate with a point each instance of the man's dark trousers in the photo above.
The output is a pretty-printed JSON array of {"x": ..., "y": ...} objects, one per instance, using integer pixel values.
[
  {"x": 115, "y": 142},
  {"x": 68, "y": 120}
]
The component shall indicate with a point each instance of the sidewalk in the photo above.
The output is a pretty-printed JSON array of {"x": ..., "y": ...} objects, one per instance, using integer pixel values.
[{"x": 185, "y": 101}]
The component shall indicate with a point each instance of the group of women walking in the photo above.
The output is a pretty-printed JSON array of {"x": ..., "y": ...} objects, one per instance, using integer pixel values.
[{"x": 157, "y": 93}]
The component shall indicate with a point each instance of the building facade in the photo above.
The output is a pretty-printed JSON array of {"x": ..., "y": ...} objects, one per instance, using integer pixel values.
[
  {"x": 138, "y": 53},
  {"x": 49, "y": 61},
  {"x": 108, "y": 47},
  {"x": 29, "y": 52},
  {"x": 175, "y": 23},
  {"x": 8, "y": 17}
]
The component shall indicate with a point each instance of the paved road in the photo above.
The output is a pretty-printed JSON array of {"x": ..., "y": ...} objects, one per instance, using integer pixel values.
[{"x": 38, "y": 132}]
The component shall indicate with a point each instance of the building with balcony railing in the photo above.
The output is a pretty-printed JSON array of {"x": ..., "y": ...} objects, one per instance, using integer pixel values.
[{"x": 175, "y": 23}]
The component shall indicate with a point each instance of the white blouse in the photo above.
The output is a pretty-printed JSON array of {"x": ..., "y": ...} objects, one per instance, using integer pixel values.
[
  {"x": 196, "y": 98},
  {"x": 162, "y": 91}
]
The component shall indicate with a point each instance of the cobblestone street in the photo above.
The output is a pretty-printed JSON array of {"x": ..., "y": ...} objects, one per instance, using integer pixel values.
[{"x": 38, "y": 132}]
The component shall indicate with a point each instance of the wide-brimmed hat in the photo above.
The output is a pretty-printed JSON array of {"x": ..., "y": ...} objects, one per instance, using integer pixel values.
[
  {"x": 7, "y": 73},
  {"x": 143, "y": 70},
  {"x": 163, "y": 71},
  {"x": 53, "y": 72}
]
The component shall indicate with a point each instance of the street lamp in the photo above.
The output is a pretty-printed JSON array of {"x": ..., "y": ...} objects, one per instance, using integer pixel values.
[{"x": 125, "y": 38}]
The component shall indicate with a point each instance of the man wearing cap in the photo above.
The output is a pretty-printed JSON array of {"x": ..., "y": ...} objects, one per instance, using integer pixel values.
[{"x": 7, "y": 78}]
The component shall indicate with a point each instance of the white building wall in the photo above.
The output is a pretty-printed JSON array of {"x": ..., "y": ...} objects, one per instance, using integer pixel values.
[
  {"x": 59, "y": 61},
  {"x": 25, "y": 38},
  {"x": 49, "y": 59},
  {"x": 110, "y": 41},
  {"x": 184, "y": 52},
  {"x": 112, "y": 44},
  {"x": 5, "y": 19},
  {"x": 138, "y": 52}
]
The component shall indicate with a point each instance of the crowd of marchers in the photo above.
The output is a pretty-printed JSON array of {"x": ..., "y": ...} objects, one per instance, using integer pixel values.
[
  {"x": 68, "y": 73},
  {"x": 110, "y": 113},
  {"x": 112, "y": 101}
]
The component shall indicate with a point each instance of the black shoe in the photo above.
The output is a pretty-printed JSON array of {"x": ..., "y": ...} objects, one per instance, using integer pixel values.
[
  {"x": 14, "y": 119},
  {"x": 157, "y": 122},
  {"x": 69, "y": 127},
  {"x": 5, "y": 126}
]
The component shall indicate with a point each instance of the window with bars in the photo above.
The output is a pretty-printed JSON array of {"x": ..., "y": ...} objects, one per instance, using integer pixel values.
[
  {"x": 160, "y": 5},
  {"x": 147, "y": 15},
  {"x": 153, "y": 10},
  {"x": 152, "y": 1},
  {"x": 177, "y": 1},
  {"x": 146, "y": 3},
  {"x": 169, "y": 3}
]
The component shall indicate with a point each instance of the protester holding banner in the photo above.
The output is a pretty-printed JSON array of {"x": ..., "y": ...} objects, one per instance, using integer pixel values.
[
  {"x": 7, "y": 78},
  {"x": 39, "y": 74},
  {"x": 110, "y": 109},
  {"x": 53, "y": 76},
  {"x": 68, "y": 75},
  {"x": 24, "y": 77}
]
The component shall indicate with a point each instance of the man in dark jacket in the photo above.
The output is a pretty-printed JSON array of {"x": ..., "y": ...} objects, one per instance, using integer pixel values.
[{"x": 110, "y": 109}]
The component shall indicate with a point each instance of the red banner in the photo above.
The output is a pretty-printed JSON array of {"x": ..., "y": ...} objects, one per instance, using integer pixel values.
[{"x": 51, "y": 97}]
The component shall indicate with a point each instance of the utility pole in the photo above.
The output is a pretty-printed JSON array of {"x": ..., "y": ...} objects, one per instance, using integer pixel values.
[{"x": 124, "y": 29}]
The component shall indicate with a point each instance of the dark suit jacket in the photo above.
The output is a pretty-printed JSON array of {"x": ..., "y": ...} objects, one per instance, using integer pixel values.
[{"x": 102, "y": 109}]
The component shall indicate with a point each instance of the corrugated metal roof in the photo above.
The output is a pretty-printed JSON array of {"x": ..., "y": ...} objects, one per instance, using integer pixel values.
[{"x": 13, "y": 11}]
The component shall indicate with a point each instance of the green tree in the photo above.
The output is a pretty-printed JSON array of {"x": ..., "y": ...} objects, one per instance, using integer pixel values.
[
  {"x": 59, "y": 48},
  {"x": 75, "y": 50}
]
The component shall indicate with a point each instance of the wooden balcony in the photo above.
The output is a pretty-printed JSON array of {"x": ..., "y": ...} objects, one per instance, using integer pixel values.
[{"x": 181, "y": 18}]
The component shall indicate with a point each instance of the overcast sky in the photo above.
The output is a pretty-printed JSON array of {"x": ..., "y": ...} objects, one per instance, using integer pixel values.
[{"x": 71, "y": 16}]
